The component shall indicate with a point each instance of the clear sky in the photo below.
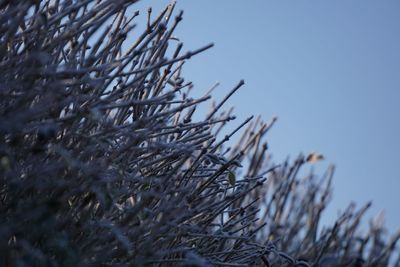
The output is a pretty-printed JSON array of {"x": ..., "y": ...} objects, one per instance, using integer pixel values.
[{"x": 330, "y": 71}]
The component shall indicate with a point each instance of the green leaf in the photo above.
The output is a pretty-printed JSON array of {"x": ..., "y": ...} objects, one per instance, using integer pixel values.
[
  {"x": 231, "y": 178},
  {"x": 5, "y": 163}
]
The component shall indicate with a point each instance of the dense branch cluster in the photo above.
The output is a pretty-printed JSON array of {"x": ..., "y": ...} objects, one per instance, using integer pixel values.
[{"x": 102, "y": 163}]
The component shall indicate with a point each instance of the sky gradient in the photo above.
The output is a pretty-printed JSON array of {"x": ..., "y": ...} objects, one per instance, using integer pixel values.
[{"x": 330, "y": 71}]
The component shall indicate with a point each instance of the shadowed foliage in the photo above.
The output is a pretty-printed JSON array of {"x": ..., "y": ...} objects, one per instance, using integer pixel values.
[{"x": 103, "y": 164}]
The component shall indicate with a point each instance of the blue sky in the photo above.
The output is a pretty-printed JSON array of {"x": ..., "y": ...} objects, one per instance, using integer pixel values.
[{"x": 330, "y": 71}]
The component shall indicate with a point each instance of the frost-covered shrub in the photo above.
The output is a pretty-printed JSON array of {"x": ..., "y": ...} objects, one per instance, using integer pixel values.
[{"x": 102, "y": 163}]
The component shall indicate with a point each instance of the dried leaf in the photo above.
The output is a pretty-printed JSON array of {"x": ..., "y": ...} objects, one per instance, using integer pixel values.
[{"x": 314, "y": 157}]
